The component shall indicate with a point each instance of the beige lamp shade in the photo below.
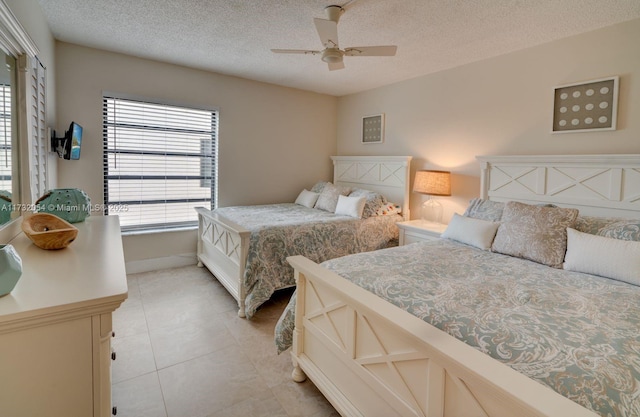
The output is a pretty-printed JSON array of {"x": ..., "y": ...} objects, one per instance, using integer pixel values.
[{"x": 432, "y": 182}]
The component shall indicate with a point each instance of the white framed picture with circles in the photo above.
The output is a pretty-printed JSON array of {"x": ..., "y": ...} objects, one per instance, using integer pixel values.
[
  {"x": 373, "y": 129},
  {"x": 586, "y": 106}
]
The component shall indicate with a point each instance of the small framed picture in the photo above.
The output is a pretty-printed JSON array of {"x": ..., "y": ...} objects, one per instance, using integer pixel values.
[
  {"x": 373, "y": 129},
  {"x": 586, "y": 107}
]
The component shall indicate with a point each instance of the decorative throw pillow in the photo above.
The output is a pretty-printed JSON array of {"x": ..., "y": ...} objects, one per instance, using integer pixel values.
[
  {"x": 372, "y": 203},
  {"x": 534, "y": 232},
  {"x": 624, "y": 229},
  {"x": 307, "y": 198},
  {"x": 611, "y": 258},
  {"x": 328, "y": 198},
  {"x": 474, "y": 232},
  {"x": 319, "y": 186},
  {"x": 614, "y": 227},
  {"x": 389, "y": 209},
  {"x": 350, "y": 206},
  {"x": 485, "y": 210}
]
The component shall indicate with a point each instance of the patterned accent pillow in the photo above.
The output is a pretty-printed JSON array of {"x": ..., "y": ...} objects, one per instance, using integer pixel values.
[
  {"x": 622, "y": 229},
  {"x": 485, "y": 210},
  {"x": 328, "y": 199},
  {"x": 533, "y": 232},
  {"x": 388, "y": 209},
  {"x": 319, "y": 186},
  {"x": 615, "y": 227},
  {"x": 373, "y": 202}
]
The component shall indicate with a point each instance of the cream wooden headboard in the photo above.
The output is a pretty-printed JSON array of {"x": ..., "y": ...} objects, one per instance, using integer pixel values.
[
  {"x": 598, "y": 185},
  {"x": 387, "y": 175}
]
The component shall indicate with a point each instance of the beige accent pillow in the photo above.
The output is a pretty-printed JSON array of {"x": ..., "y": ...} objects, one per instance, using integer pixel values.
[
  {"x": 536, "y": 233},
  {"x": 328, "y": 198},
  {"x": 350, "y": 206},
  {"x": 474, "y": 232},
  {"x": 307, "y": 198},
  {"x": 604, "y": 256}
]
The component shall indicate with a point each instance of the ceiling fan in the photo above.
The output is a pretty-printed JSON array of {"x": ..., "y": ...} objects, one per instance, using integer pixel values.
[{"x": 332, "y": 54}]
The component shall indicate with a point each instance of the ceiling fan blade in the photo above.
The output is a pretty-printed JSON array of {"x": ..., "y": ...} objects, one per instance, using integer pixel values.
[
  {"x": 389, "y": 50},
  {"x": 336, "y": 66},
  {"x": 295, "y": 51},
  {"x": 328, "y": 32}
]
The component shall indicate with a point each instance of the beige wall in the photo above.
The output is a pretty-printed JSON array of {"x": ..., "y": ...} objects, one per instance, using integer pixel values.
[
  {"x": 501, "y": 105},
  {"x": 274, "y": 141}
]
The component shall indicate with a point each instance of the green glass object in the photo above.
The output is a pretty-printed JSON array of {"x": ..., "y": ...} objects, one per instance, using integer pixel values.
[
  {"x": 6, "y": 206},
  {"x": 10, "y": 269},
  {"x": 70, "y": 204}
]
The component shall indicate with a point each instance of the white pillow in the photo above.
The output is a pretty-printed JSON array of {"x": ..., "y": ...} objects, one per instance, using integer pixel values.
[
  {"x": 307, "y": 198},
  {"x": 350, "y": 206},
  {"x": 475, "y": 232},
  {"x": 597, "y": 255}
]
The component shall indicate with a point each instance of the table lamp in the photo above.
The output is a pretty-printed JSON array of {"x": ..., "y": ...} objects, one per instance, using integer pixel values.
[{"x": 432, "y": 183}]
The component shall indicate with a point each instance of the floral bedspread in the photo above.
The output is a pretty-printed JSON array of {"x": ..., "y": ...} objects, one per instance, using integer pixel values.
[
  {"x": 282, "y": 230},
  {"x": 576, "y": 333}
]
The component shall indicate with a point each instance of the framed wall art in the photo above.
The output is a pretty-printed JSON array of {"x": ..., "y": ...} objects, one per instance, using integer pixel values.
[
  {"x": 586, "y": 107},
  {"x": 373, "y": 129}
]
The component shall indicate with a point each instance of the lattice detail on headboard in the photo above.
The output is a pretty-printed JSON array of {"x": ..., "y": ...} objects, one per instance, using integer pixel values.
[
  {"x": 384, "y": 173},
  {"x": 597, "y": 184}
]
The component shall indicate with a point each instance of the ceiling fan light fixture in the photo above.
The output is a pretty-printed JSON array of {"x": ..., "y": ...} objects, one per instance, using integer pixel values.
[{"x": 331, "y": 55}]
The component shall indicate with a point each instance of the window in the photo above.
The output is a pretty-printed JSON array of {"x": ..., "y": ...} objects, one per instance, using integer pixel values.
[
  {"x": 5, "y": 140},
  {"x": 159, "y": 163}
]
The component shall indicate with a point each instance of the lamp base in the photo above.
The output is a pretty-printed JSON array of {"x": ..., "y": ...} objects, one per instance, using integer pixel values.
[{"x": 432, "y": 211}]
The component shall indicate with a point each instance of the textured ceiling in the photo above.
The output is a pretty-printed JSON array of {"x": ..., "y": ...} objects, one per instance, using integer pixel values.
[{"x": 234, "y": 37}]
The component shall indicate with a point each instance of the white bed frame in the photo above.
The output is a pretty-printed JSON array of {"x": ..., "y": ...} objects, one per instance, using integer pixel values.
[
  {"x": 370, "y": 358},
  {"x": 223, "y": 245}
]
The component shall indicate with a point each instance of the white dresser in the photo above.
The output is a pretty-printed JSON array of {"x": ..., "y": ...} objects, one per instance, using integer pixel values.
[{"x": 55, "y": 326}]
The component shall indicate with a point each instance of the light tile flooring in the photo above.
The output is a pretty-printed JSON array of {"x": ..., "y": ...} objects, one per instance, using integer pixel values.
[{"x": 182, "y": 351}]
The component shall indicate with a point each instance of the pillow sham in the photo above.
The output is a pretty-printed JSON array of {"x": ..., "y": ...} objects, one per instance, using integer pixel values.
[
  {"x": 328, "y": 198},
  {"x": 622, "y": 229},
  {"x": 307, "y": 198},
  {"x": 604, "y": 256},
  {"x": 474, "y": 232},
  {"x": 485, "y": 210},
  {"x": 319, "y": 186},
  {"x": 373, "y": 201},
  {"x": 535, "y": 233},
  {"x": 614, "y": 227},
  {"x": 350, "y": 206}
]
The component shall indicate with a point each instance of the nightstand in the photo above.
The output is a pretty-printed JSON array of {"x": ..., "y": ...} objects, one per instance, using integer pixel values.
[{"x": 419, "y": 231}]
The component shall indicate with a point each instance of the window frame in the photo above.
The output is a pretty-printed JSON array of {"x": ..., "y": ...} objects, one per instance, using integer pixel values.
[{"x": 116, "y": 205}]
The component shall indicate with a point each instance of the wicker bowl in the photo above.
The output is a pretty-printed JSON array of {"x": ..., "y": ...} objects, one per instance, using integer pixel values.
[{"x": 47, "y": 231}]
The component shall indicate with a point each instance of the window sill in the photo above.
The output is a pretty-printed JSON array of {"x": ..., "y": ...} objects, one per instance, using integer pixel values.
[{"x": 156, "y": 231}]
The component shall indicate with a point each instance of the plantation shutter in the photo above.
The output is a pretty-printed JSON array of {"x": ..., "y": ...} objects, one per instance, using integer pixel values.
[
  {"x": 159, "y": 163},
  {"x": 37, "y": 125}
]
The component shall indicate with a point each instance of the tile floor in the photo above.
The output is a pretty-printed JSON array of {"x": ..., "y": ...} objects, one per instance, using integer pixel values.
[{"x": 182, "y": 351}]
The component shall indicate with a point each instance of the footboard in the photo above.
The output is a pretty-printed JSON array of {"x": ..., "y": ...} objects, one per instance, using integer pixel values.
[
  {"x": 223, "y": 248},
  {"x": 370, "y": 358}
]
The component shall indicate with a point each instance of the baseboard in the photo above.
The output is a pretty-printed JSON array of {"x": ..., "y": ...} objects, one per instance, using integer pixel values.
[{"x": 155, "y": 264}]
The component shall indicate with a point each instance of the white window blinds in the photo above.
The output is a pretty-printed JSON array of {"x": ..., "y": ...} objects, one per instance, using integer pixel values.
[
  {"x": 5, "y": 135},
  {"x": 38, "y": 126},
  {"x": 159, "y": 163}
]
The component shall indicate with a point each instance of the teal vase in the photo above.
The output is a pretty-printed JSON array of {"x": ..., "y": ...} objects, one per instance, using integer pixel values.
[
  {"x": 10, "y": 269},
  {"x": 70, "y": 204}
]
